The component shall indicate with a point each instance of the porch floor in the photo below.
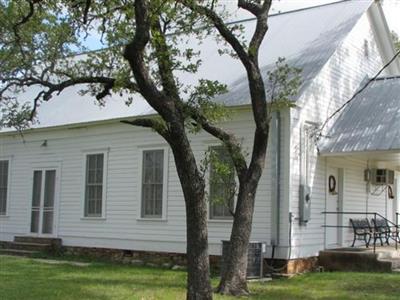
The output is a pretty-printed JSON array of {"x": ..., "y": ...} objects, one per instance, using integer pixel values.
[{"x": 380, "y": 250}]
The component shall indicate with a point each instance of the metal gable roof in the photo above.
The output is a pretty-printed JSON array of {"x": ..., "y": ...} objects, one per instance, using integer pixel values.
[
  {"x": 370, "y": 123},
  {"x": 306, "y": 38}
]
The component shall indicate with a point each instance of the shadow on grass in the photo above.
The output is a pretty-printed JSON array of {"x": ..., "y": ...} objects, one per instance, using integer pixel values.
[{"x": 332, "y": 286}]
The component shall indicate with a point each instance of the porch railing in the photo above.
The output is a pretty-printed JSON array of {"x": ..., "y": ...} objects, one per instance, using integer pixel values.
[{"x": 375, "y": 215}]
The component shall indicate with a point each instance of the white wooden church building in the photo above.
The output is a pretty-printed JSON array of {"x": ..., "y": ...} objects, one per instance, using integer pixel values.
[{"x": 79, "y": 174}]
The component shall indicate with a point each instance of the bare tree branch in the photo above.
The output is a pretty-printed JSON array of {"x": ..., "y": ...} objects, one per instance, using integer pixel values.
[
  {"x": 229, "y": 140},
  {"x": 164, "y": 61},
  {"x": 249, "y": 60},
  {"x": 26, "y": 18},
  {"x": 149, "y": 123},
  {"x": 261, "y": 30},
  {"x": 135, "y": 54},
  {"x": 254, "y": 8},
  {"x": 224, "y": 31},
  {"x": 45, "y": 95},
  {"x": 86, "y": 11}
]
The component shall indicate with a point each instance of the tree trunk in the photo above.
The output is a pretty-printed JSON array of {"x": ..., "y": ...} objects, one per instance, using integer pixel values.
[
  {"x": 233, "y": 279},
  {"x": 193, "y": 186},
  {"x": 198, "y": 281}
]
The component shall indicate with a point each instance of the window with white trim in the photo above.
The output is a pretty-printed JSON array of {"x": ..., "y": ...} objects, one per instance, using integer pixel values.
[
  {"x": 94, "y": 185},
  {"x": 221, "y": 186},
  {"x": 152, "y": 185},
  {"x": 4, "y": 166}
]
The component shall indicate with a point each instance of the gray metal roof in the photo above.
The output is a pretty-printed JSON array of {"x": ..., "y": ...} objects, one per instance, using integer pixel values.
[
  {"x": 316, "y": 34},
  {"x": 307, "y": 38},
  {"x": 370, "y": 123}
]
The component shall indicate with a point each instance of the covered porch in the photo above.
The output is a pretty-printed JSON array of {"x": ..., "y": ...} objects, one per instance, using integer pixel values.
[
  {"x": 362, "y": 155},
  {"x": 362, "y": 203}
]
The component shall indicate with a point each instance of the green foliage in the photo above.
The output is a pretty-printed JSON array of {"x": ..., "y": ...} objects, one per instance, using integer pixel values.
[
  {"x": 14, "y": 115},
  {"x": 38, "y": 49},
  {"x": 396, "y": 40},
  {"x": 201, "y": 102},
  {"x": 283, "y": 84},
  {"x": 223, "y": 186}
]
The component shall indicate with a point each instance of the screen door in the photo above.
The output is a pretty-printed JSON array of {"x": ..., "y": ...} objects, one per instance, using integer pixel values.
[{"x": 43, "y": 199}]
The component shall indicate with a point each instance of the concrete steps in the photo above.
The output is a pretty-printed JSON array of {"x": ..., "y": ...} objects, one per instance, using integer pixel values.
[
  {"x": 37, "y": 240},
  {"x": 392, "y": 257},
  {"x": 30, "y": 246},
  {"x": 15, "y": 252},
  {"x": 395, "y": 262},
  {"x": 361, "y": 260}
]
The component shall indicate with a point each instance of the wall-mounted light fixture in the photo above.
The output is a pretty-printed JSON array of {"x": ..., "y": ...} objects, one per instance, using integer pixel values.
[{"x": 44, "y": 144}]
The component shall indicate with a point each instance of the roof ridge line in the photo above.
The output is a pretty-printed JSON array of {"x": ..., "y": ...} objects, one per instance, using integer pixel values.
[
  {"x": 287, "y": 12},
  {"x": 232, "y": 23},
  {"x": 388, "y": 77}
]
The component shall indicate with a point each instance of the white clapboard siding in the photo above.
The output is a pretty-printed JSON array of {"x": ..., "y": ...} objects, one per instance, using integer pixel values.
[
  {"x": 338, "y": 80},
  {"x": 121, "y": 227}
]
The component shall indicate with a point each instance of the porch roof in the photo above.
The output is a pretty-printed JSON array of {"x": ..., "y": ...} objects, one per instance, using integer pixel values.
[{"x": 371, "y": 123}]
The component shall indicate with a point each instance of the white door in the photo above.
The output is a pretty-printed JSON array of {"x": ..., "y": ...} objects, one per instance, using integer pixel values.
[
  {"x": 43, "y": 201},
  {"x": 332, "y": 206}
]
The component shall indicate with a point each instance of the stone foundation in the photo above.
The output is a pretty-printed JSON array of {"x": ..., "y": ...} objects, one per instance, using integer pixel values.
[
  {"x": 148, "y": 258},
  {"x": 179, "y": 261},
  {"x": 291, "y": 267}
]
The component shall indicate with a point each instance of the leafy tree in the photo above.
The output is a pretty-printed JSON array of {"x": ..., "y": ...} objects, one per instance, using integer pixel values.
[
  {"x": 396, "y": 40},
  {"x": 38, "y": 43}
]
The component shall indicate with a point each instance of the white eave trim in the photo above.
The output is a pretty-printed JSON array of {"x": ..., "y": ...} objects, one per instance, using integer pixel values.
[{"x": 366, "y": 152}]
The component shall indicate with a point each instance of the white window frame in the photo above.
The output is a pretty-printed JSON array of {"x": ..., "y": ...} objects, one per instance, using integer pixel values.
[
  {"x": 105, "y": 152},
  {"x": 208, "y": 187},
  {"x": 165, "y": 184},
  {"x": 9, "y": 159}
]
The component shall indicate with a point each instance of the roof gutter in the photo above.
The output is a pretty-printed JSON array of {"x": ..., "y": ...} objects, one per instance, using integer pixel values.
[
  {"x": 361, "y": 152},
  {"x": 80, "y": 125}
]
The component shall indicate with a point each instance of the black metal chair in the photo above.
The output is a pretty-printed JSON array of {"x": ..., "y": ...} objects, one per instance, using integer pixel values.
[
  {"x": 362, "y": 231},
  {"x": 382, "y": 230}
]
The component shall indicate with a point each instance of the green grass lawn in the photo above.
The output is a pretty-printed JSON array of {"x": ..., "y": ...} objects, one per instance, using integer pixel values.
[{"x": 22, "y": 278}]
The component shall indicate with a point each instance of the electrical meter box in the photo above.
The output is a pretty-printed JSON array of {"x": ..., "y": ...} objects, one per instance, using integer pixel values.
[{"x": 305, "y": 204}]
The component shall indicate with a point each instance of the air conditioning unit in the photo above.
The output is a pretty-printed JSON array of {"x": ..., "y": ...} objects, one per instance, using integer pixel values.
[{"x": 379, "y": 176}]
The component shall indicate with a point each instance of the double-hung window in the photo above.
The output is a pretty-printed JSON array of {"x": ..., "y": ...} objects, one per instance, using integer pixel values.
[
  {"x": 222, "y": 184},
  {"x": 94, "y": 185},
  {"x": 152, "y": 184},
  {"x": 4, "y": 168}
]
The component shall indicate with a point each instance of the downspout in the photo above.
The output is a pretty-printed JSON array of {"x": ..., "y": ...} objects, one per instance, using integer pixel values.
[
  {"x": 276, "y": 193},
  {"x": 277, "y": 172},
  {"x": 278, "y": 175}
]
